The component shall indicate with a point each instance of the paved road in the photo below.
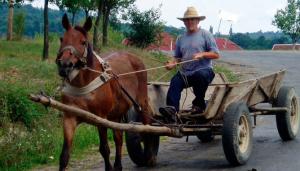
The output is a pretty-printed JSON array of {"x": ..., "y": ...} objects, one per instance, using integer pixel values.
[
  {"x": 270, "y": 61},
  {"x": 269, "y": 152}
]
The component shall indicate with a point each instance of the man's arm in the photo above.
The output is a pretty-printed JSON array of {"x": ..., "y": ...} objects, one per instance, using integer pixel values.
[{"x": 210, "y": 55}]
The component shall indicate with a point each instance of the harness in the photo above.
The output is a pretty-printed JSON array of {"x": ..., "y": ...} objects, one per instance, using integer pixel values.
[{"x": 103, "y": 78}]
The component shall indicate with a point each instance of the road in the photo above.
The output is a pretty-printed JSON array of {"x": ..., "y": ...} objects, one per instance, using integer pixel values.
[{"x": 269, "y": 152}]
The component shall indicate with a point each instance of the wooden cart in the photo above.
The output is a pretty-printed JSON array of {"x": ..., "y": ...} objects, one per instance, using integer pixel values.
[{"x": 229, "y": 107}]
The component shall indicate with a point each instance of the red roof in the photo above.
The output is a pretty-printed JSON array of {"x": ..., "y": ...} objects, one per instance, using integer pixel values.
[{"x": 225, "y": 44}]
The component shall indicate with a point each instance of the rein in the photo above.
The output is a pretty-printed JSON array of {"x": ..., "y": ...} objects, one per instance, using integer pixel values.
[{"x": 143, "y": 70}]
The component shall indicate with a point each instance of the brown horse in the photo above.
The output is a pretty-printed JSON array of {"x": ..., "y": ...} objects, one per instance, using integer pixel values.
[{"x": 108, "y": 100}]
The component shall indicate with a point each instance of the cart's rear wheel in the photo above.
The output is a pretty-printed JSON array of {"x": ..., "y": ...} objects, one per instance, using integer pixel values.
[
  {"x": 237, "y": 134},
  {"x": 206, "y": 136},
  {"x": 287, "y": 122},
  {"x": 142, "y": 148}
]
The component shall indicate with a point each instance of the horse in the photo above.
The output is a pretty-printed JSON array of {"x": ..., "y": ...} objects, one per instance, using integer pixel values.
[{"x": 79, "y": 66}]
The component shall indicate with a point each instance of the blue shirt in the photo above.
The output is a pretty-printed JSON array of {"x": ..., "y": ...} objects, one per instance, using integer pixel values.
[{"x": 189, "y": 44}]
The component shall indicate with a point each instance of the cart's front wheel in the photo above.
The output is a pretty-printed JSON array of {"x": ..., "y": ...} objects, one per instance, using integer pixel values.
[
  {"x": 287, "y": 122},
  {"x": 142, "y": 148},
  {"x": 237, "y": 134}
]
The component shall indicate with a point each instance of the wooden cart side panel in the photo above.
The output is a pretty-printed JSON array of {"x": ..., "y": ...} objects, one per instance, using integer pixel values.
[
  {"x": 252, "y": 92},
  {"x": 214, "y": 102},
  {"x": 157, "y": 97},
  {"x": 267, "y": 89},
  {"x": 235, "y": 94},
  {"x": 214, "y": 95}
]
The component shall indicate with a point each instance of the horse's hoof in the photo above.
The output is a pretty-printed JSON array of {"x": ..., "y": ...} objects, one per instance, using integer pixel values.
[{"x": 118, "y": 168}]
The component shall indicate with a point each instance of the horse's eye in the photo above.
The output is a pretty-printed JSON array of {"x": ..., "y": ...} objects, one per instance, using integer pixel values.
[{"x": 83, "y": 43}]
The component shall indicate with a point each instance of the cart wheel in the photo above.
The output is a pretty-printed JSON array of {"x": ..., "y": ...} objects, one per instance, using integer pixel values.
[
  {"x": 237, "y": 134},
  {"x": 206, "y": 136},
  {"x": 142, "y": 148},
  {"x": 287, "y": 122}
]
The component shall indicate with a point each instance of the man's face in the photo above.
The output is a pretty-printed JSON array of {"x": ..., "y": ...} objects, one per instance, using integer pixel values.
[{"x": 191, "y": 24}]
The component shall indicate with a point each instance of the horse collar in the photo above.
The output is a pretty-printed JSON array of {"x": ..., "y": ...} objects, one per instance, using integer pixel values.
[{"x": 103, "y": 78}]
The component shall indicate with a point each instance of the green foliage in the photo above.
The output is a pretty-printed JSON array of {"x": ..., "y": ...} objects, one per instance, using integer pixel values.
[
  {"x": 174, "y": 31},
  {"x": 145, "y": 27},
  {"x": 15, "y": 105},
  {"x": 19, "y": 25},
  {"x": 288, "y": 19},
  {"x": 34, "y": 18},
  {"x": 257, "y": 41},
  {"x": 29, "y": 134},
  {"x": 229, "y": 74}
]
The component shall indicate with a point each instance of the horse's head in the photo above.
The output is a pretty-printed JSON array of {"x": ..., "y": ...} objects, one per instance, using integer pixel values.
[{"x": 74, "y": 47}]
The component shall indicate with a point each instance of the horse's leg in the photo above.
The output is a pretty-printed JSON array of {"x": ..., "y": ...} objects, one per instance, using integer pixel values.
[
  {"x": 104, "y": 148},
  {"x": 69, "y": 130},
  {"x": 118, "y": 138}
]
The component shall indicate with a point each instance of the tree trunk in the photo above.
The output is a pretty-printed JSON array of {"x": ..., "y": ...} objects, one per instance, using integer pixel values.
[
  {"x": 73, "y": 18},
  {"x": 105, "y": 25},
  {"x": 10, "y": 20},
  {"x": 46, "y": 32},
  {"x": 86, "y": 13},
  {"x": 96, "y": 28}
]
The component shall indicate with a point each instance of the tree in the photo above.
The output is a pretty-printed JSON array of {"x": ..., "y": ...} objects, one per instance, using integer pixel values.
[
  {"x": 19, "y": 25},
  {"x": 109, "y": 5},
  {"x": 99, "y": 4},
  {"x": 46, "y": 31},
  {"x": 288, "y": 20},
  {"x": 72, "y": 6},
  {"x": 11, "y": 4},
  {"x": 89, "y": 5},
  {"x": 145, "y": 27}
]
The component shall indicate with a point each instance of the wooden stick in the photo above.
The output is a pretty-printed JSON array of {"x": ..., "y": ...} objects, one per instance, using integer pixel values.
[{"x": 96, "y": 120}]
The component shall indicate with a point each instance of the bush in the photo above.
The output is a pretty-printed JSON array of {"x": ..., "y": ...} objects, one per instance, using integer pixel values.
[{"x": 15, "y": 106}]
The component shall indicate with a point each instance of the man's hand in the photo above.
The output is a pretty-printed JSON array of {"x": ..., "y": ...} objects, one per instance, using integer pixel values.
[
  {"x": 199, "y": 55},
  {"x": 170, "y": 64}
]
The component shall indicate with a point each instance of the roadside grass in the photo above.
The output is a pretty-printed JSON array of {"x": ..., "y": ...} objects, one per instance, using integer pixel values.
[{"x": 31, "y": 135}]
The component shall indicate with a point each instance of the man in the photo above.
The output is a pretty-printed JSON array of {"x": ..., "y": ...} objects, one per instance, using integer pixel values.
[{"x": 197, "y": 44}]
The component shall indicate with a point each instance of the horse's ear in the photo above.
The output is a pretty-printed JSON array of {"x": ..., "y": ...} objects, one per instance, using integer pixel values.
[
  {"x": 65, "y": 22},
  {"x": 88, "y": 24}
]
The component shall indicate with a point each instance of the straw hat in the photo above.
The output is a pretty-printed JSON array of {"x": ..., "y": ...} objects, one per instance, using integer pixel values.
[{"x": 191, "y": 12}]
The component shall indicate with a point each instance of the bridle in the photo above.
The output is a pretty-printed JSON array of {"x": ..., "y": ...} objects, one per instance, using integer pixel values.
[
  {"x": 82, "y": 57},
  {"x": 104, "y": 76}
]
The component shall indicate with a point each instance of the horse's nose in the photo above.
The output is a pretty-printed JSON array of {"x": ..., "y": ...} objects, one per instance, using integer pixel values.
[
  {"x": 64, "y": 67},
  {"x": 66, "y": 64}
]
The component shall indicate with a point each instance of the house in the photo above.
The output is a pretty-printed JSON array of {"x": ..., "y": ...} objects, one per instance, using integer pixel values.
[
  {"x": 226, "y": 44},
  {"x": 286, "y": 47}
]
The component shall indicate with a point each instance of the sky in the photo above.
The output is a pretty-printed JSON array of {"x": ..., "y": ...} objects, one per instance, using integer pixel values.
[{"x": 243, "y": 15}]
